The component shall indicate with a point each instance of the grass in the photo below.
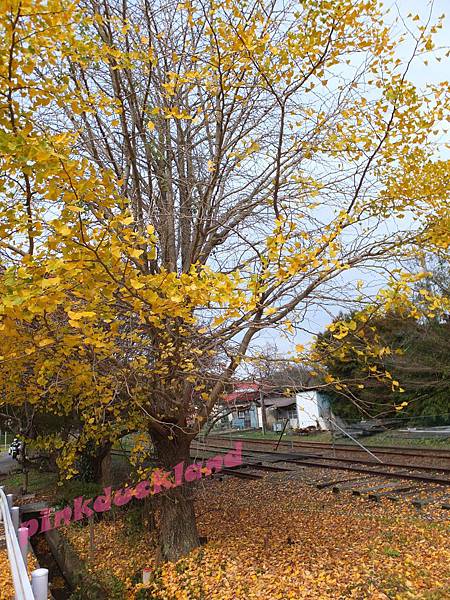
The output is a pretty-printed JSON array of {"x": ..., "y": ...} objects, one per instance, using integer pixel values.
[
  {"x": 382, "y": 439},
  {"x": 392, "y": 552},
  {"x": 9, "y": 439},
  {"x": 39, "y": 482},
  {"x": 273, "y": 435},
  {"x": 43, "y": 483},
  {"x": 127, "y": 442}
]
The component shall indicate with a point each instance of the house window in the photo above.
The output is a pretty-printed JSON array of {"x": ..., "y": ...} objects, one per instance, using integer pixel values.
[{"x": 241, "y": 414}]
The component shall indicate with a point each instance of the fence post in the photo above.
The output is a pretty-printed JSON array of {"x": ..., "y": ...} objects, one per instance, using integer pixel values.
[
  {"x": 15, "y": 519},
  {"x": 23, "y": 543},
  {"x": 39, "y": 584},
  {"x": 146, "y": 575},
  {"x": 10, "y": 498}
]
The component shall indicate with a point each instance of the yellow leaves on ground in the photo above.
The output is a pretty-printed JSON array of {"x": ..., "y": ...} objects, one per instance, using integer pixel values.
[
  {"x": 6, "y": 585},
  {"x": 85, "y": 267},
  {"x": 279, "y": 539}
]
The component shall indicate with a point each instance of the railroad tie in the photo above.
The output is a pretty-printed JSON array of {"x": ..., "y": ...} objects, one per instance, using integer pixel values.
[
  {"x": 389, "y": 494},
  {"x": 325, "y": 484},
  {"x": 348, "y": 485},
  {"x": 443, "y": 502},
  {"x": 388, "y": 486},
  {"x": 240, "y": 474}
]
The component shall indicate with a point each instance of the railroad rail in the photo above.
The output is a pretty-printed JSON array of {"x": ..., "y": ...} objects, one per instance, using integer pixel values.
[
  {"x": 338, "y": 459},
  {"x": 423, "y": 468},
  {"x": 372, "y": 481},
  {"x": 344, "y": 447},
  {"x": 378, "y": 481},
  {"x": 327, "y": 462}
]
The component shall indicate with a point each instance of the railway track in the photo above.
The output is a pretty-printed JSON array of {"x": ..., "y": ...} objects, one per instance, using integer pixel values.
[
  {"x": 416, "y": 472},
  {"x": 422, "y": 485},
  {"x": 441, "y": 453},
  {"x": 393, "y": 481},
  {"x": 337, "y": 459},
  {"x": 338, "y": 462}
]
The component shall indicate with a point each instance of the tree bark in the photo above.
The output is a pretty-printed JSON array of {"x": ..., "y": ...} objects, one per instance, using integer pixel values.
[
  {"x": 105, "y": 477},
  {"x": 96, "y": 464},
  {"x": 176, "y": 523},
  {"x": 25, "y": 471}
]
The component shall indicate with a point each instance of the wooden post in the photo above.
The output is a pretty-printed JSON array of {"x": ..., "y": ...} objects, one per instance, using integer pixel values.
[
  {"x": 263, "y": 413},
  {"x": 281, "y": 435},
  {"x": 91, "y": 538}
]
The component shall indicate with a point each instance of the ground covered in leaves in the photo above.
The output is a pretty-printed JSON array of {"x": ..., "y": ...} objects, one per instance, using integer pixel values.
[
  {"x": 6, "y": 585},
  {"x": 280, "y": 539}
]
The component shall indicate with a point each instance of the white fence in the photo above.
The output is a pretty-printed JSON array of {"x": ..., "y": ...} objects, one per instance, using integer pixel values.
[
  {"x": 5, "y": 437},
  {"x": 17, "y": 554}
]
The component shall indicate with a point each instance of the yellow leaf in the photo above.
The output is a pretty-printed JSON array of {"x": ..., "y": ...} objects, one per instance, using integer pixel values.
[
  {"x": 49, "y": 282},
  {"x": 74, "y": 323},
  {"x": 63, "y": 229},
  {"x": 76, "y": 316},
  {"x": 136, "y": 284},
  {"x": 135, "y": 252}
]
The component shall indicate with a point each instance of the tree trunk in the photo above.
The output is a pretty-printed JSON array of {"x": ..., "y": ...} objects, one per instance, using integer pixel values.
[
  {"x": 25, "y": 471},
  {"x": 263, "y": 413},
  {"x": 96, "y": 464},
  {"x": 105, "y": 477},
  {"x": 176, "y": 524}
]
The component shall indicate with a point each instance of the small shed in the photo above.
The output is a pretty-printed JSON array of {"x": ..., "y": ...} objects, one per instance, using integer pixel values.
[
  {"x": 280, "y": 409},
  {"x": 244, "y": 404},
  {"x": 313, "y": 410}
]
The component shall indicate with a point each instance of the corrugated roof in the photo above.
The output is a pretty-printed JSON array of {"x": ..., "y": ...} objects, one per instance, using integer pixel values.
[
  {"x": 243, "y": 392},
  {"x": 281, "y": 402}
]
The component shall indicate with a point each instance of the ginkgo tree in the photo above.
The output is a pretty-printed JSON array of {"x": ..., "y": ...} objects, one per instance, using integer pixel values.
[{"x": 177, "y": 178}]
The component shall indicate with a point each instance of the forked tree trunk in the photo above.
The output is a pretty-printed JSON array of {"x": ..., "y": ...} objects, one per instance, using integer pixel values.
[
  {"x": 176, "y": 524},
  {"x": 96, "y": 465}
]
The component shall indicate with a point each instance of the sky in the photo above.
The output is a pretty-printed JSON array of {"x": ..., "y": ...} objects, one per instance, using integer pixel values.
[
  {"x": 436, "y": 71},
  {"x": 420, "y": 74}
]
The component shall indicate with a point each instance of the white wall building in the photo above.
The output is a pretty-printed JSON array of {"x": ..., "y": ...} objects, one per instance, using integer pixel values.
[{"x": 313, "y": 410}]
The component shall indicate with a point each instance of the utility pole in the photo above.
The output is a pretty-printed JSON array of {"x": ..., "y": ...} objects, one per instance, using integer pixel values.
[{"x": 263, "y": 411}]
